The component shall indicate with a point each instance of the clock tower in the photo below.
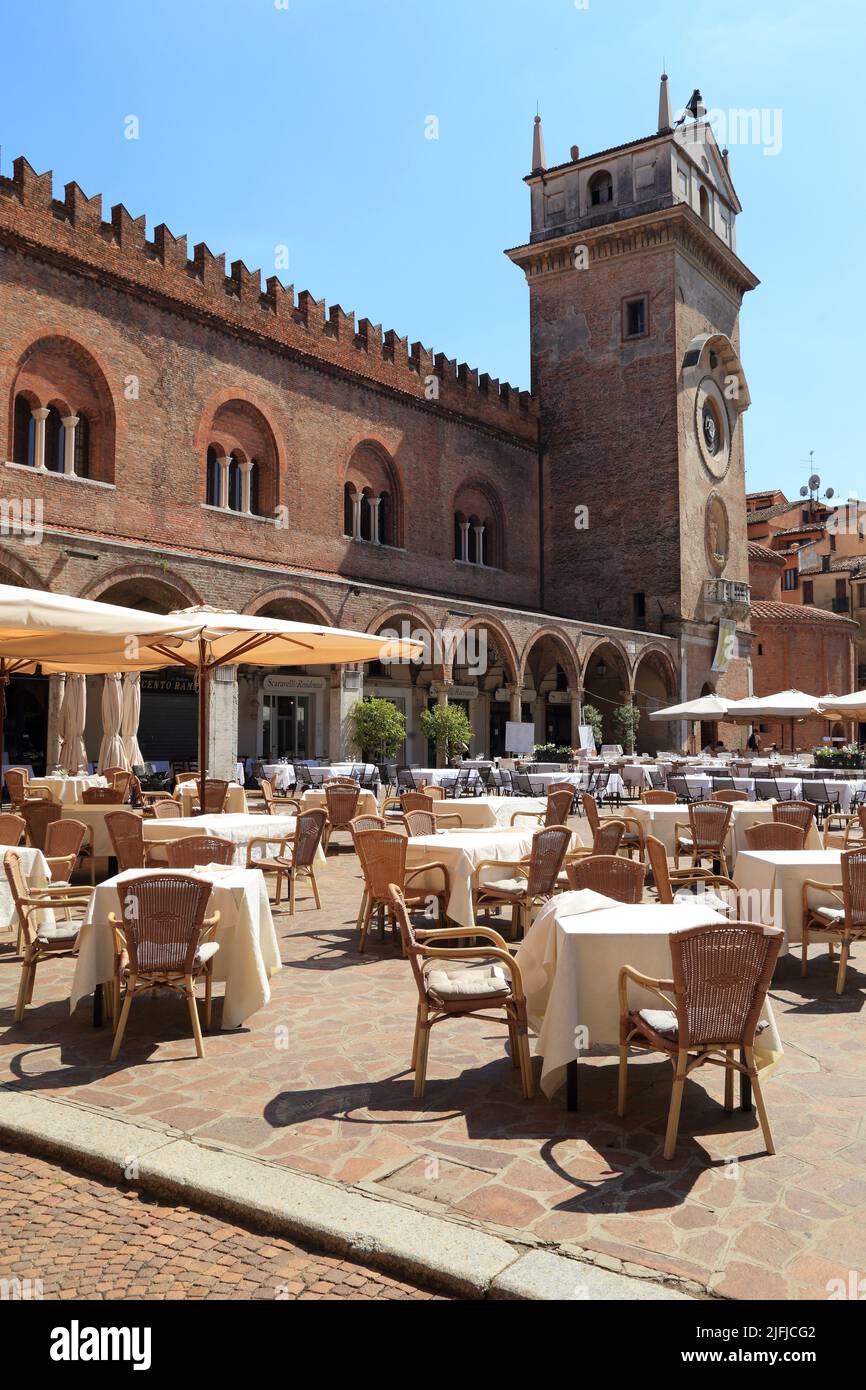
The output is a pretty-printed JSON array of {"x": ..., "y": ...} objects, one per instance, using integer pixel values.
[{"x": 635, "y": 291}]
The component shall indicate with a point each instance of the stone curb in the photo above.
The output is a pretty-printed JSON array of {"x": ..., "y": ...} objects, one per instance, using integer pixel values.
[{"x": 399, "y": 1240}]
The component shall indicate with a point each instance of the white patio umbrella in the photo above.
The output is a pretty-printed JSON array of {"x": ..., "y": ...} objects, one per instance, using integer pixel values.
[
  {"x": 787, "y": 706},
  {"x": 111, "y": 750},
  {"x": 131, "y": 717},
  {"x": 73, "y": 714},
  {"x": 845, "y": 706},
  {"x": 706, "y": 707}
]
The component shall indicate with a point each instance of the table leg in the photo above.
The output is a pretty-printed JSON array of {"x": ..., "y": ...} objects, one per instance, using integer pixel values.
[
  {"x": 745, "y": 1087},
  {"x": 97, "y": 1007},
  {"x": 571, "y": 1086}
]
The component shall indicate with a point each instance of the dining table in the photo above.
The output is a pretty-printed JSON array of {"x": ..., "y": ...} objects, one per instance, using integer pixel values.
[
  {"x": 317, "y": 801},
  {"x": 65, "y": 789},
  {"x": 773, "y": 881},
  {"x": 461, "y": 851},
  {"x": 660, "y": 822},
  {"x": 37, "y": 874},
  {"x": 248, "y": 955},
  {"x": 187, "y": 793},
  {"x": 240, "y": 829},
  {"x": 570, "y": 961},
  {"x": 486, "y": 812}
]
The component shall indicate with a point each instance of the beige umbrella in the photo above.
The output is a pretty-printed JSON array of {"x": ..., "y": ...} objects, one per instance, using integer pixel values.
[
  {"x": 845, "y": 706},
  {"x": 111, "y": 750},
  {"x": 788, "y": 706},
  {"x": 73, "y": 714},
  {"x": 131, "y": 716}
]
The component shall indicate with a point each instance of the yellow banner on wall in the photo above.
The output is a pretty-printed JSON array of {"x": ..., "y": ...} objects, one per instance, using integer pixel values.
[{"x": 726, "y": 644}]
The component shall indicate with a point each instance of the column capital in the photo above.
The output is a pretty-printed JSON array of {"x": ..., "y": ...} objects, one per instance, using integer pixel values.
[
  {"x": 40, "y": 413},
  {"x": 69, "y": 421}
]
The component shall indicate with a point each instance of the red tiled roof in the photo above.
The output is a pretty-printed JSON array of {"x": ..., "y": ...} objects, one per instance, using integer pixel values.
[
  {"x": 763, "y": 552},
  {"x": 773, "y": 610}
]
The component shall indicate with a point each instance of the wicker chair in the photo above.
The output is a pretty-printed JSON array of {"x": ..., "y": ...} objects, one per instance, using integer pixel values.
[
  {"x": 419, "y": 823},
  {"x": 362, "y": 823},
  {"x": 196, "y": 851},
  {"x": 844, "y": 920},
  {"x": 534, "y": 879},
  {"x": 775, "y": 835},
  {"x": 215, "y": 796},
  {"x": 120, "y": 779},
  {"x": 729, "y": 797},
  {"x": 706, "y": 833},
  {"x": 800, "y": 813},
  {"x": 64, "y": 840},
  {"x": 125, "y": 830},
  {"x": 167, "y": 942},
  {"x": 12, "y": 827},
  {"x": 39, "y": 940},
  {"x": 610, "y": 874},
  {"x": 295, "y": 857},
  {"x": 341, "y": 782},
  {"x": 278, "y": 805},
  {"x": 633, "y": 832},
  {"x": 423, "y": 801},
  {"x": 39, "y": 815},
  {"x": 721, "y": 974},
  {"x": 341, "y": 799},
  {"x": 559, "y": 803},
  {"x": 101, "y": 796},
  {"x": 657, "y": 797},
  {"x": 167, "y": 809},
  {"x": 695, "y": 886},
  {"x": 17, "y": 780},
  {"x": 462, "y": 982},
  {"x": 382, "y": 855}
]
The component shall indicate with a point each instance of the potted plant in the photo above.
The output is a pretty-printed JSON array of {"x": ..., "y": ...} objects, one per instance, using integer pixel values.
[
  {"x": 448, "y": 728},
  {"x": 851, "y": 756},
  {"x": 626, "y": 719},
  {"x": 592, "y": 716},
  {"x": 378, "y": 729}
]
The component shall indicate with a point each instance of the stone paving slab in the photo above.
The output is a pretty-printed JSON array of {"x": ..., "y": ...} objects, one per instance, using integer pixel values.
[{"x": 319, "y": 1082}]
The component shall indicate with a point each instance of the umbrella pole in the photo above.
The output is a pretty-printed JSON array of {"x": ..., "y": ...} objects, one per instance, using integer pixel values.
[
  {"x": 3, "y": 679},
  {"x": 203, "y": 678}
]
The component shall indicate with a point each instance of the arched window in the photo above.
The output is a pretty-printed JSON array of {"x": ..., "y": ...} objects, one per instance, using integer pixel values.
[
  {"x": 348, "y": 510},
  {"x": 478, "y": 527},
  {"x": 25, "y": 433},
  {"x": 234, "y": 484},
  {"x": 705, "y": 204},
  {"x": 54, "y": 440},
  {"x": 213, "y": 478},
  {"x": 366, "y": 515},
  {"x": 600, "y": 189},
  {"x": 81, "y": 450}
]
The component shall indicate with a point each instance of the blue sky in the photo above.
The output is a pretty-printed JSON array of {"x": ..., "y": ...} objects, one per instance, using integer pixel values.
[{"x": 301, "y": 123}]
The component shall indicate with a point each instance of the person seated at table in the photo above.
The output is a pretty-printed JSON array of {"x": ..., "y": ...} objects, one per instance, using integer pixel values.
[
  {"x": 753, "y": 743},
  {"x": 720, "y": 747}
]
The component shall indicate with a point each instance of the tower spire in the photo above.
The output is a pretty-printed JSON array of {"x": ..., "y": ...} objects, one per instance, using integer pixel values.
[
  {"x": 665, "y": 117},
  {"x": 539, "y": 163}
]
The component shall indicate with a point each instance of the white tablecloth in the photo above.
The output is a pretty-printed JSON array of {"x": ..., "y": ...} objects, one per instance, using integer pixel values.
[
  {"x": 460, "y": 851},
  {"x": 187, "y": 794},
  {"x": 774, "y": 880},
  {"x": 66, "y": 790},
  {"x": 790, "y": 788},
  {"x": 485, "y": 812},
  {"x": 444, "y": 777},
  {"x": 317, "y": 801},
  {"x": 237, "y": 828},
  {"x": 659, "y": 821},
  {"x": 249, "y": 953},
  {"x": 93, "y": 817},
  {"x": 570, "y": 961},
  {"x": 843, "y": 791},
  {"x": 36, "y": 874}
]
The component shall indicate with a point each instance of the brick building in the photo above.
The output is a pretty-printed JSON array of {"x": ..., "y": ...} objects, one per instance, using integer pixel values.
[{"x": 188, "y": 436}]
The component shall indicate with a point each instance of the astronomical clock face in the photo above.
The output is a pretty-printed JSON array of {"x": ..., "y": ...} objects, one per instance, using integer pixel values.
[
  {"x": 717, "y": 533},
  {"x": 712, "y": 427}
]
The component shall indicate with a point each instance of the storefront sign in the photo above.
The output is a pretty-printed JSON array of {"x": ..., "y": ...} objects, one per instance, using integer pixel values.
[
  {"x": 462, "y": 692},
  {"x": 559, "y": 697},
  {"x": 293, "y": 685},
  {"x": 526, "y": 696},
  {"x": 167, "y": 682}
]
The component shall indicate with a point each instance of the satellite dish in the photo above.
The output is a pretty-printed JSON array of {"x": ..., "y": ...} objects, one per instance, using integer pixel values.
[
  {"x": 804, "y": 492},
  {"x": 831, "y": 492},
  {"x": 814, "y": 481}
]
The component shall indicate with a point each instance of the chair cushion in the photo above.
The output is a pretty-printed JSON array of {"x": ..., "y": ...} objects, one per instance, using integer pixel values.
[
  {"x": 63, "y": 932},
  {"x": 205, "y": 952},
  {"x": 461, "y": 980},
  {"x": 831, "y": 915},
  {"x": 664, "y": 1022},
  {"x": 508, "y": 887}
]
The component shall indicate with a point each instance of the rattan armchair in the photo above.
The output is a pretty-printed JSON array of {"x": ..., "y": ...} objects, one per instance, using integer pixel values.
[
  {"x": 709, "y": 1015},
  {"x": 64, "y": 840},
  {"x": 775, "y": 835},
  {"x": 197, "y": 851},
  {"x": 462, "y": 982},
  {"x": 120, "y": 779},
  {"x": 382, "y": 855},
  {"x": 842, "y": 920},
  {"x": 41, "y": 939},
  {"x": 278, "y": 805},
  {"x": 428, "y": 822},
  {"x": 12, "y": 827},
  {"x": 296, "y": 856},
  {"x": 341, "y": 799},
  {"x": 633, "y": 835},
  {"x": 610, "y": 874},
  {"x": 101, "y": 796},
  {"x": 559, "y": 802},
  {"x": 532, "y": 880},
  {"x": 38, "y": 816},
  {"x": 658, "y": 797},
  {"x": 424, "y": 802},
  {"x": 167, "y": 941},
  {"x": 216, "y": 792},
  {"x": 17, "y": 781},
  {"x": 705, "y": 835},
  {"x": 729, "y": 796},
  {"x": 125, "y": 830},
  {"x": 800, "y": 813},
  {"x": 696, "y": 886},
  {"x": 167, "y": 809}
]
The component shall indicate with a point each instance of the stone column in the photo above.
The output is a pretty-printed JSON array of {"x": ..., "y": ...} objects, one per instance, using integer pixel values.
[
  {"x": 224, "y": 464},
  {"x": 464, "y": 540},
  {"x": 347, "y": 688},
  {"x": 222, "y": 732},
  {"x": 56, "y": 686},
  {"x": 515, "y": 710},
  {"x": 375, "y": 503},
  {"x": 576, "y": 700},
  {"x": 246, "y": 468},
  {"x": 440, "y": 690},
  {"x": 40, "y": 415},
  {"x": 479, "y": 544},
  {"x": 480, "y": 717},
  {"x": 356, "y": 517},
  {"x": 416, "y": 743},
  {"x": 539, "y": 713},
  {"x": 69, "y": 425}
]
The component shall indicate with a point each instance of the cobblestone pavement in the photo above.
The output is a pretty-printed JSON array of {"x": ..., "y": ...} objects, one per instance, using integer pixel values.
[
  {"x": 84, "y": 1238},
  {"x": 319, "y": 1080}
]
